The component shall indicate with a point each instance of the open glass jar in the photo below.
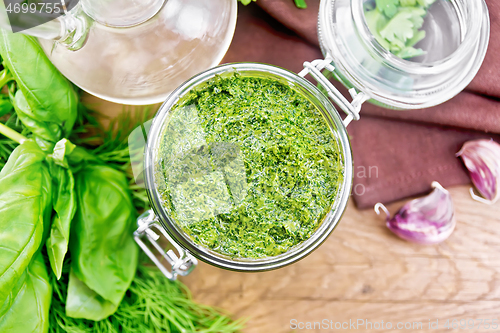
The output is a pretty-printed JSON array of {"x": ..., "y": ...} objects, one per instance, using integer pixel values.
[
  {"x": 457, "y": 35},
  {"x": 360, "y": 62}
]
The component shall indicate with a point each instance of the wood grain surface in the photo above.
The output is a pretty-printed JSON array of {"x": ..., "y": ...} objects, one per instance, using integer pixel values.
[{"x": 362, "y": 271}]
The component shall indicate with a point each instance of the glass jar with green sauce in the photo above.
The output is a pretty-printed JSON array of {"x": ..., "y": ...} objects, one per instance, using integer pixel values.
[{"x": 249, "y": 167}]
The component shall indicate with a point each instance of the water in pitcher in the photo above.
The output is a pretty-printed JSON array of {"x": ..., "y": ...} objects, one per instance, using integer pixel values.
[{"x": 144, "y": 63}]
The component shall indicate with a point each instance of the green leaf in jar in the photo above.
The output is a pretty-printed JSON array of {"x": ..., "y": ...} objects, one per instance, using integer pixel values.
[
  {"x": 425, "y": 3},
  {"x": 25, "y": 208},
  {"x": 377, "y": 21},
  {"x": 409, "y": 52},
  {"x": 399, "y": 29},
  {"x": 103, "y": 251},
  {"x": 408, "y": 3},
  {"x": 388, "y": 7},
  {"x": 417, "y": 17},
  {"x": 26, "y": 309},
  {"x": 395, "y": 25}
]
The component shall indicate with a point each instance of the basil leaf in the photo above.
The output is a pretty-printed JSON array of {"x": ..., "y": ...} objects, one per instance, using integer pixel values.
[
  {"x": 65, "y": 207},
  {"x": 83, "y": 302},
  {"x": 27, "y": 306},
  {"x": 64, "y": 204},
  {"x": 50, "y": 96},
  {"x": 25, "y": 204},
  {"x": 80, "y": 157},
  {"x": 103, "y": 251},
  {"x": 46, "y": 134}
]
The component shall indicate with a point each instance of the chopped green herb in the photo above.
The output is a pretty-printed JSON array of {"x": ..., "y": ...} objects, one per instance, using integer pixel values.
[
  {"x": 396, "y": 24},
  {"x": 248, "y": 166},
  {"x": 388, "y": 7}
]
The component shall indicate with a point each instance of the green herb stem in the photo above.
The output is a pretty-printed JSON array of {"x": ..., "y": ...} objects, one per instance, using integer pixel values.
[
  {"x": 5, "y": 76},
  {"x": 11, "y": 134}
]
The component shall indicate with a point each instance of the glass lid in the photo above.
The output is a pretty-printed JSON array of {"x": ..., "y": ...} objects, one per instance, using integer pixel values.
[
  {"x": 248, "y": 166},
  {"x": 405, "y": 54}
]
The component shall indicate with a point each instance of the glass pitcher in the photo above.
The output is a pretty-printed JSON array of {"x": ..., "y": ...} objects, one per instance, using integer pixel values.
[{"x": 134, "y": 52}]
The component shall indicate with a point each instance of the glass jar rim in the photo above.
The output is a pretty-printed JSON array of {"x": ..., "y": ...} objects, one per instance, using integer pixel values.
[{"x": 296, "y": 253}]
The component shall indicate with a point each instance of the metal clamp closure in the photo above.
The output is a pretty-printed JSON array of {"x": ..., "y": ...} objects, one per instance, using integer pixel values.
[
  {"x": 181, "y": 263},
  {"x": 352, "y": 109}
]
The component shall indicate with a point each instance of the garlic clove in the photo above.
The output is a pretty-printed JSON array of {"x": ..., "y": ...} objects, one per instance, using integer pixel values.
[
  {"x": 482, "y": 159},
  {"x": 426, "y": 220}
]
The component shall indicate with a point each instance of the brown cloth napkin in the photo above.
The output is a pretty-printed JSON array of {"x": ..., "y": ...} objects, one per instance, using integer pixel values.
[{"x": 397, "y": 154}]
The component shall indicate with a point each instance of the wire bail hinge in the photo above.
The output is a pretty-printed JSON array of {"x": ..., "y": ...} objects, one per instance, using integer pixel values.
[
  {"x": 181, "y": 263},
  {"x": 353, "y": 108}
]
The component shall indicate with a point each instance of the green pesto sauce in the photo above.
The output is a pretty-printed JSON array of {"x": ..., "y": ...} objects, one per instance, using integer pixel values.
[{"x": 248, "y": 166}]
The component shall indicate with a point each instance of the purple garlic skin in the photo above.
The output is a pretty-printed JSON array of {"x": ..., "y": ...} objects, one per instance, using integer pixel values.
[
  {"x": 426, "y": 220},
  {"x": 482, "y": 159}
]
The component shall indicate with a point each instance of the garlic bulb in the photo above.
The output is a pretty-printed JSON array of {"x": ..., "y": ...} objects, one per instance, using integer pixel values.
[
  {"x": 426, "y": 220},
  {"x": 482, "y": 159}
]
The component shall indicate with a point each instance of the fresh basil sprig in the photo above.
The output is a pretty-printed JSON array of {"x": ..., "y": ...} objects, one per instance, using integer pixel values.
[{"x": 54, "y": 191}]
